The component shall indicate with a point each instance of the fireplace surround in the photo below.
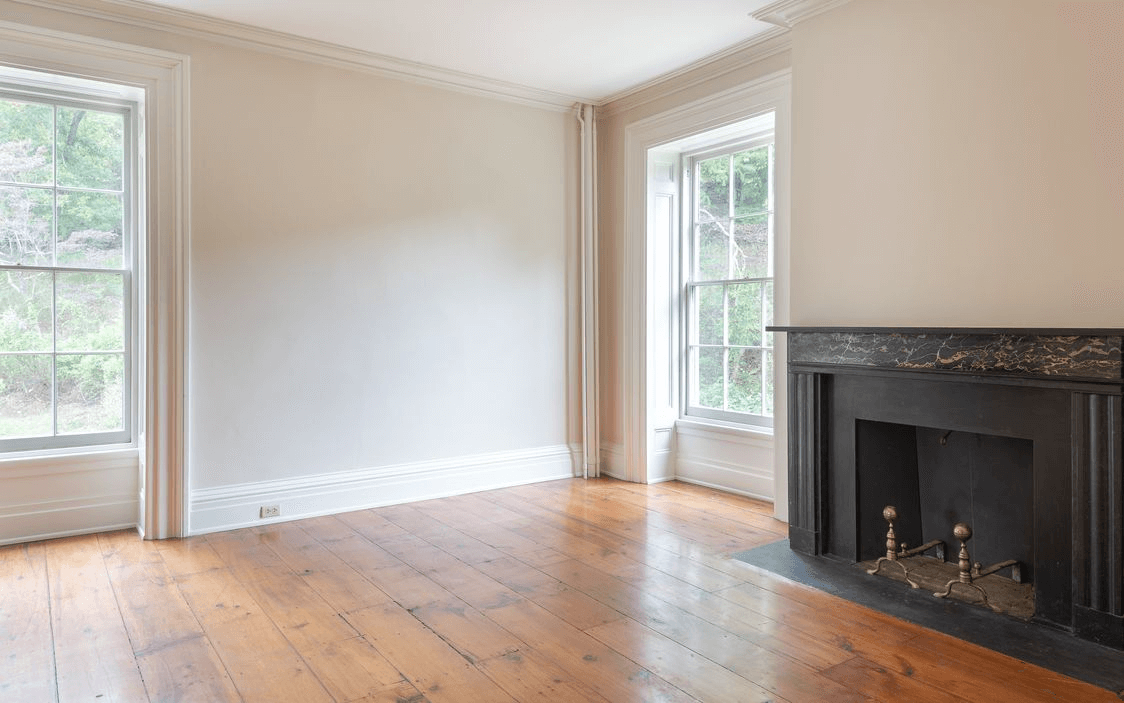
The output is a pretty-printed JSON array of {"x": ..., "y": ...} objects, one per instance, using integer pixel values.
[{"x": 1041, "y": 409}]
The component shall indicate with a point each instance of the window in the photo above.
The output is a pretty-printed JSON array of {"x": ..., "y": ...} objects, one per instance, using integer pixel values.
[
  {"x": 67, "y": 260},
  {"x": 729, "y": 288}
]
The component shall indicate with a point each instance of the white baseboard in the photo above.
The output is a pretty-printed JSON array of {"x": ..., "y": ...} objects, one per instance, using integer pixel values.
[
  {"x": 612, "y": 461},
  {"x": 65, "y": 518},
  {"x": 59, "y": 495},
  {"x": 734, "y": 479},
  {"x": 234, "y": 506}
]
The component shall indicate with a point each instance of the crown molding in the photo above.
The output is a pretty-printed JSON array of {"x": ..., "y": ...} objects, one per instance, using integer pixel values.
[
  {"x": 140, "y": 14},
  {"x": 789, "y": 13},
  {"x": 757, "y": 48}
]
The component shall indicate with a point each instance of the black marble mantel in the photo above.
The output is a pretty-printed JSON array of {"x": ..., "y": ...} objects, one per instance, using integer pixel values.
[
  {"x": 1060, "y": 389},
  {"x": 1049, "y": 353}
]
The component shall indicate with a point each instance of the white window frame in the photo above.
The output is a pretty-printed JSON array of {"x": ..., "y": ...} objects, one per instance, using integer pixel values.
[
  {"x": 161, "y": 361},
  {"x": 48, "y": 89},
  {"x": 639, "y": 369},
  {"x": 690, "y": 289}
]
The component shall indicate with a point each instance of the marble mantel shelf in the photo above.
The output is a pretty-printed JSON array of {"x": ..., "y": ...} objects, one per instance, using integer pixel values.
[
  {"x": 1057, "y": 353},
  {"x": 1019, "y": 331}
]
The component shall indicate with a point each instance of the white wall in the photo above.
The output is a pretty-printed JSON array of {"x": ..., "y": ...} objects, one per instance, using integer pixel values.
[
  {"x": 959, "y": 163},
  {"x": 380, "y": 283}
]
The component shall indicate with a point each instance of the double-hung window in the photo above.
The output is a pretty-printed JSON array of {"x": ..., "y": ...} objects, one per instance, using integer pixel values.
[
  {"x": 729, "y": 287},
  {"x": 67, "y": 260}
]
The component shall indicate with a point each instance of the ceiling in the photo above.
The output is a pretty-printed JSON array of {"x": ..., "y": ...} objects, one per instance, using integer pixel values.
[{"x": 586, "y": 49}]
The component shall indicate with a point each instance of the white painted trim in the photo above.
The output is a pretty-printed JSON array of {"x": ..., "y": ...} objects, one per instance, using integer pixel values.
[
  {"x": 590, "y": 353},
  {"x": 771, "y": 92},
  {"x": 39, "y": 521},
  {"x": 67, "y": 493},
  {"x": 612, "y": 460},
  {"x": 757, "y": 48},
  {"x": 728, "y": 433},
  {"x": 789, "y": 13},
  {"x": 704, "y": 469},
  {"x": 165, "y": 19},
  {"x": 237, "y": 505},
  {"x": 751, "y": 492},
  {"x": 166, "y": 192},
  {"x": 66, "y": 463}
]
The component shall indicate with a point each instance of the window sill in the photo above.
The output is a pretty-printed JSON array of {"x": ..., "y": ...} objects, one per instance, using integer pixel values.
[
  {"x": 69, "y": 460},
  {"x": 705, "y": 427}
]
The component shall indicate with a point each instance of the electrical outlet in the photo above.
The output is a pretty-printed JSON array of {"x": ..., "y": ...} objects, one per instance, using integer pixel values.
[{"x": 271, "y": 511}]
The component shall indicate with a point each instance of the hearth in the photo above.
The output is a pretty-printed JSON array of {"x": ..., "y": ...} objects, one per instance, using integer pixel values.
[{"x": 1015, "y": 433}]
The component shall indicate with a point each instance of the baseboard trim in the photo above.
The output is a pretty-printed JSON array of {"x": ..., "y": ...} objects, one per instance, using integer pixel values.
[
  {"x": 612, "y": 461},
  {"x": 731, "y": 479},
  {"x": 34, "y": 522},
  {"x": 234, "y": 506},
  {"x": 61, "y": 494}
]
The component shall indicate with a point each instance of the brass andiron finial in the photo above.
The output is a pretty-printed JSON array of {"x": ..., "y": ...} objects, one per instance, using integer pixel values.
[
  {"x": 969, "y": 571},
  {"x": 894, "y": 551}
]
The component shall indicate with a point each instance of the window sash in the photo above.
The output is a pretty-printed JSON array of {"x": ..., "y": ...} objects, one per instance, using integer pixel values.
[
  {"x": 694, "y": 346},
  {"x": 129, "y": 258}
]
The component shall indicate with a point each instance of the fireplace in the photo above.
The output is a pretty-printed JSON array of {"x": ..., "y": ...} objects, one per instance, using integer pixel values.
[{"x": 1016, "y": 432}]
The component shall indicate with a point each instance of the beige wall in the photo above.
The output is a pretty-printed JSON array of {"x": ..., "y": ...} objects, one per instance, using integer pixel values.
[
  {"x": 959, "y": 163},
  {"x": 954, "y": 162},
  {"x": 380, "y": 272}
]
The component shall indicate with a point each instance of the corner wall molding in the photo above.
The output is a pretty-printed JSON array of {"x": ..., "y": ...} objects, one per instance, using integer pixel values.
[
  {"x": 237, "y": 505},
  {"x": 732, "y": 58},
  {"x": 140, "y": 14},
  {"x": 789, "y": 13}
]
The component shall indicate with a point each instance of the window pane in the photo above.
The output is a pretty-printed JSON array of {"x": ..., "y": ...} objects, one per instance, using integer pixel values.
[
  {"x": 91, "y": 148},
  {"x": 90, "y": 312},
  {"x": 751, "y": 181},
  {"x": 25, "y": 143},
  {"x": 25, "y": 226},
  {"x": 713, "y": 252},
  {"x": 90, "y": 392},
  {"x": 25, "y": 395},
  {"x": 745, "y": 381},
  {"x": 25, "y": 311},
  {"x": 90, "y": 230},
  {"x": 751, "y": 247},
  {"x": 710, "y": 378},
  {"x": 745, "y": 313},
  {"x": 714, "y": 189},
  {"x": 710, "y": 314}
]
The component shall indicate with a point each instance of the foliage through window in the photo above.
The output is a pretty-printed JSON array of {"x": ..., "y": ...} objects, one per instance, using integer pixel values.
[
  {"x": 730, "y": 284},
  {"x": 65, "y": 271}
]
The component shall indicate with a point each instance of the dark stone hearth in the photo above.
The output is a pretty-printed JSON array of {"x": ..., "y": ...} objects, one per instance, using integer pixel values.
[
  {"x": 1046, "y": 647},
  {"x": 1036, "y": 413}
]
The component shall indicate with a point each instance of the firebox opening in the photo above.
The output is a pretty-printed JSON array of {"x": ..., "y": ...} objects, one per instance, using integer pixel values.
[{"x": 937, "y": 478}]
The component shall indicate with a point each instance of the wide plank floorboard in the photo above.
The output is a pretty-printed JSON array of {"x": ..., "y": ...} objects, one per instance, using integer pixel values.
[{"x": 585, "y": 591}]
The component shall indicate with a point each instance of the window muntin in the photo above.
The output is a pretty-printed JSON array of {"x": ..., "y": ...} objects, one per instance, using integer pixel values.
[
  {"x": 729, "y": 291},
  {"x": 66, "y": 270}
]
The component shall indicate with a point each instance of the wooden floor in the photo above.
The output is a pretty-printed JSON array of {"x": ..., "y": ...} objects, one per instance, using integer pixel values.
[{"x": 563, "y": 591}]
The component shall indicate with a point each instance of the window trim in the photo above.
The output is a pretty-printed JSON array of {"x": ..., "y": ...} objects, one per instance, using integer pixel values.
[
  {"x": 688, "y": 288},
  {"x": 163, "y": 78},
  {"x": 102, "y": 96}
]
